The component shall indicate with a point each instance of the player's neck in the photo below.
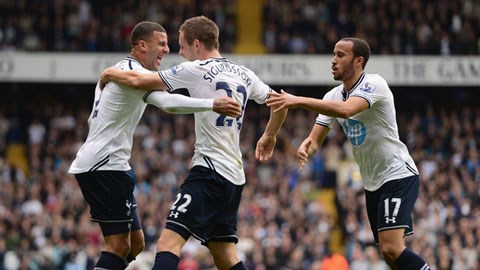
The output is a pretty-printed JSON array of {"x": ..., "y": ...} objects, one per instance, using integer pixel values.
[
  {"x": 138, "y": 57},
  {"x": 352, "y": 81},
  {"x": 210, "y": 54}
]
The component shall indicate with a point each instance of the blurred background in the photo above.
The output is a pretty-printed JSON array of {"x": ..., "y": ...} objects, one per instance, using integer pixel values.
[{"x": 52, "y": 51}]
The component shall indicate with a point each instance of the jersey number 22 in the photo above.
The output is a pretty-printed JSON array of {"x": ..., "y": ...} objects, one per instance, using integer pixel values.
[{"x": 222, "y": 120}]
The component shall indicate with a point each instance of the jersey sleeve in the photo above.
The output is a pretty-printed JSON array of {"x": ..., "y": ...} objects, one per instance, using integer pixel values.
[
  {"x": 180, "y": 76},
  {"x": 179, "y": 104},
  {"x": 325, "y": 120},
  {"x": 260, "y": 90}
]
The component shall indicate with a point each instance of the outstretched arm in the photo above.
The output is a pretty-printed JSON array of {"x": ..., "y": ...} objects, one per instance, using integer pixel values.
[
  {"x": 334, "y": 108},
  {"x": 266, "y": 143},
  {"x": 311, "y": 144},
  {"x": 179, "y": 104},
  {"x": 133, "y": 79}
]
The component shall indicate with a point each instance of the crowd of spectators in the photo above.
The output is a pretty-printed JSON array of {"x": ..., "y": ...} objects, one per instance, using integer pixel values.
[
  {"x": 444, "y": 27},
  {"x": 101, "y": 25},
  {"x": 44, "y": 222}
]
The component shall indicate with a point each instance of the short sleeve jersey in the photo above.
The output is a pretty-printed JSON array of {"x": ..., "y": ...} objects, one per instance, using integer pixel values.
[
  {"x": 115, "y": 115},
  {"x": 373, "y": 133},
  {"x": 217, "y": 142}
]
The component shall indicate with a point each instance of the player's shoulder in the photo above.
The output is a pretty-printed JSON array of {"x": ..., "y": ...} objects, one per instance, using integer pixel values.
[
  {"x": 375, "y": 79},
  {"x": 197, "y": 64},
  {"x": 183, "y": 69},
  {"x": 187, "y": 65},
  {"x": 130, "y": 63},
  {"x": 335, "y": 90},
  {"x": 371, "y": 83},
  {"x": 240, "y": 66}
]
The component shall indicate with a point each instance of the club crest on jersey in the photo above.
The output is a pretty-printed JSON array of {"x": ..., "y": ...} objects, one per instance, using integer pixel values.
[
  {"x": 176, "y": 69},
  {"x": 368, "y": 87}
]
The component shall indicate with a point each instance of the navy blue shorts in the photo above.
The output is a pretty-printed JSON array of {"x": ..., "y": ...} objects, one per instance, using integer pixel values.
[
  {"x": 110, "y": 197},
  {"x": 391, "y": 206},
  {"x": 206, "y": 207}
]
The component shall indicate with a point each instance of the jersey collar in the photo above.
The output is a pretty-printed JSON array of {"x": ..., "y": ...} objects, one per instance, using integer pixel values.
[
  {"x": 131, "y": 58},
  {"x": 346, "y": 94}
]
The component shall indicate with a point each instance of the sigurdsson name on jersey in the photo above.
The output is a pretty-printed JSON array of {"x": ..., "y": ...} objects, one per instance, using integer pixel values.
[{"x": 227, "y": 67}]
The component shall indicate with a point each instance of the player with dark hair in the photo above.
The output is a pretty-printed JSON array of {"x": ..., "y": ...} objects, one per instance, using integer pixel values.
[
  {"x": 206, "y": 207},
  {"x": 101, "y": 166},
  {"x": 364, "y": 106}
]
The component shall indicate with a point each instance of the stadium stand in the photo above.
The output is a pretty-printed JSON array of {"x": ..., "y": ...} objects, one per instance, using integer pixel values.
[
  {"x": 398, "y": 27},
  {"x": 445, "y": 27},
  {"x": 45, "y": 223}
]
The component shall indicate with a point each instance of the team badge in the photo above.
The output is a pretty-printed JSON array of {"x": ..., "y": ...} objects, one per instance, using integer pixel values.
[
  {"x": 368, "y": 87},
  {"x": 176, "y": 69},
  {"x": 128, "y": 204}
]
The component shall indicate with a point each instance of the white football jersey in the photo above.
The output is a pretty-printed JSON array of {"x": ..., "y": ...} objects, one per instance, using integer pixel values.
[
  {"x": 373, "y": 133},
  {"x": 217, "y": 142},
  {"x": 115, "y": 115}
]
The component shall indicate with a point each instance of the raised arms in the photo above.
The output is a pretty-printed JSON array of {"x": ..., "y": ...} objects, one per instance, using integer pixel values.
[
  {"x": 171, "y": 103},
  {"x": 342, "y": 109},
  {"x": 133, "y": 79}
]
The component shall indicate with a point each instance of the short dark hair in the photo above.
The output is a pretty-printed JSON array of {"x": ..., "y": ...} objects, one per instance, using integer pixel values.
[
  {"x": 203, "y": 29},
  {"x": 144, "y": 30},
  {"x": 360, "y": 48}
]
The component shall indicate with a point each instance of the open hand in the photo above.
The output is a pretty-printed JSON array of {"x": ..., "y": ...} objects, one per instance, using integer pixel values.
[
  {"x": 281, "y": 100},
  {"x": 227, "y": 106},
  {"x": 302, "y": 152},
  {"x": 265, "y": 146}
]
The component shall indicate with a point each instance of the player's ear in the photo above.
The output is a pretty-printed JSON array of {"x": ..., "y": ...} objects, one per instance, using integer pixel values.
[
  {"x": 196, "y": 43},
  {"x": 142, "y": 44},
  {"x": 359, "y": 60}
]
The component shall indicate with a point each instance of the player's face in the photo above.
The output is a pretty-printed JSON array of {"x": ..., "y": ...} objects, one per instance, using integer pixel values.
[
  {"x": 187, "y": 51},
  {"x": 156, "y": 49},
  {"x": 342, "y": 61}
]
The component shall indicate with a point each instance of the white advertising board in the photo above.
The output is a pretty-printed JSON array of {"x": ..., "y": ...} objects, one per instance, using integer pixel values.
[{"x": 281, "y": 70}]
